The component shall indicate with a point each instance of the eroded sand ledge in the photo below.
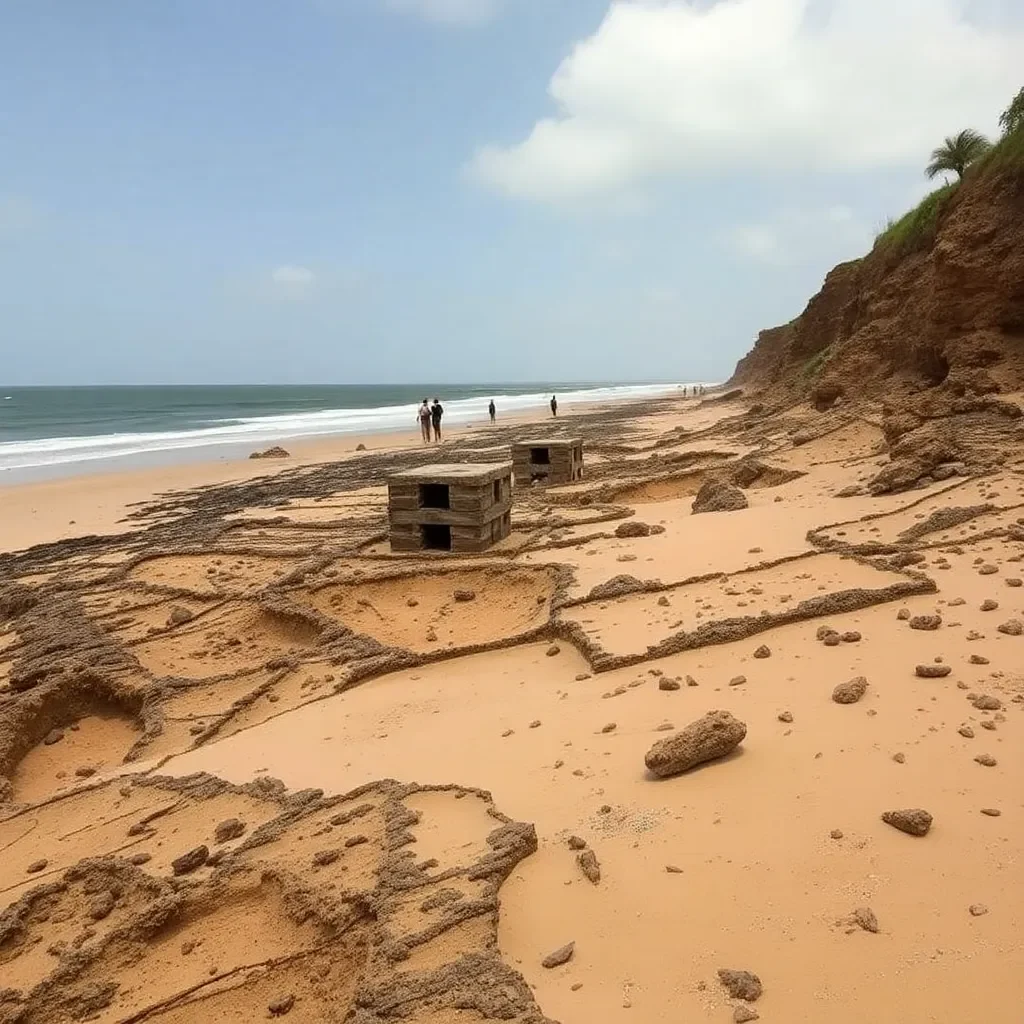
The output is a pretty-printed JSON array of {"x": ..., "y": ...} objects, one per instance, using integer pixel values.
[{"x": 262, "y": 630}]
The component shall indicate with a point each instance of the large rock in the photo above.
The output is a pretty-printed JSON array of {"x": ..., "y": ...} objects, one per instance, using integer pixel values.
[
  {"x": 713, "y": 736},
  {"x": 850, "y": 692},
  {"x": 276, "y": 452},
  {"x": 718, "y": 496},
  {"x": 912, "y": 820},
  {"x": 632, "y": 528}
]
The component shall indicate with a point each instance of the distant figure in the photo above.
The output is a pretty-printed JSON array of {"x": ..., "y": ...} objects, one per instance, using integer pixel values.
[
  {"x": 684, "y": 391},
  {"x": 424, "y": 418},
  {"x": 492, "y": 410},
  {"x": 436, "y": 412},
  {"x": 554, "y": 406}
]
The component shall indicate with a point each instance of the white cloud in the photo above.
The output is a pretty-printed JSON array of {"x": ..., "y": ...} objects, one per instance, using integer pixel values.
[
  {"x": 668, "y": 87},
  {"x": 794, "y": 236},
  {"x": 453, "y": 12},
  {"x": 292, "y": 282}
]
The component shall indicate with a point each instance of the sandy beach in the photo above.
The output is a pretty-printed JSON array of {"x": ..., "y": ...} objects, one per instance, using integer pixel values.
[{"x": 717, "y": 733}]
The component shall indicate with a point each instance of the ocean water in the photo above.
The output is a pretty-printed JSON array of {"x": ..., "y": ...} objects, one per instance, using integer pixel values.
[{"x": 56, "y": 431}]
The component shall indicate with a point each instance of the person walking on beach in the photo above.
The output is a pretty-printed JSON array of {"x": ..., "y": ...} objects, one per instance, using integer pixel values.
[
  {"x": 491, "y": 409},
  {"x": 554, "y": 406},
  {"x": 436, "y": 412},
  {"x": 424, "y": 418}
]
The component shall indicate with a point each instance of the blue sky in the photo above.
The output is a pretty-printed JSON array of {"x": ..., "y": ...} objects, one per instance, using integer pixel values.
[{"x": 398, "y": 190}]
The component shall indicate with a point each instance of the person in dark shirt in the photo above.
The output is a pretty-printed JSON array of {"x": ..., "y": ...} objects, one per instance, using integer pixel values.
[
  {"x": 492, "y": 410},
  {"x": 436, "y": 412},
  {"x": 554, "y": 406}
]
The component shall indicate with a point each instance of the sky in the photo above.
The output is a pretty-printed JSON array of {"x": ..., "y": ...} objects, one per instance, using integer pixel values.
[{"x": 390, "y": 191}]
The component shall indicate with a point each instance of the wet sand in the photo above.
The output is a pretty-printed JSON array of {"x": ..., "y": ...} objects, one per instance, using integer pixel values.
[{"x": 261, "y": 632}]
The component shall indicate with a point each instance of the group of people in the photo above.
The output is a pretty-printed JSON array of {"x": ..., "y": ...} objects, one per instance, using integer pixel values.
[
  {"x": 429, "y": 416},
  {"x": 695, "y": 390}
]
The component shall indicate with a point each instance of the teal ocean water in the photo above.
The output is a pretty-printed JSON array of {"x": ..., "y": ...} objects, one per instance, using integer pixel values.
[{"x": 67, "y": 429}]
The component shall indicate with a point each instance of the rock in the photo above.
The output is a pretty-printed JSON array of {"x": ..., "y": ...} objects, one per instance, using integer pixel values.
[
  {"x": 932, "y": 671},
  {"x": 865, "y": 918},
  {"x": 576, "y": 843},
  {"x": 899, "y": 758},
  {"x": 102, "y": 906},
  {"x": 690, "y": 681},
  {"x": 412, "y": 602},
  {"x": 991, "y": 812},
  {"x": 1012, "y": 627},
  {"x": 189, "y": 862},
  {"x": 850, "y": 692},
  {"x": 714, "y": 735},
  {"x": 764, "y": 651},
  {"x": 977, "y": 910},
  {"x": 823, "y": 631},
  {"x": 903, "y": 614},
  {"x": 360, "y": 447},
  {"x": 987, "y": 570},
  {"x": 591, "y": 869},
  {"x": 914, "y": 821},
  {"x": 553, "y": 650},
  {"x": 851, "y": 637},
  {"x": 663, "y": 601},
  {"x": 737, "y": 680},
  {"x": 673, "y": 870},
  {"x": 356, "y": 840},
  {"x": 785, "y": 716},
  {"x": 535, "y": 724},
  {"x": 227, "y": 830},
  {"x": 664, "y": 683},
  {"x": 977, "y": 659},
  {"x": 836, "y": 833},
  {"x": 53, "y": 736},
  {"x": 610, "y": 727},
  {"x": 985, "y": 702},
  {"x": 832, "y": 640},
  {"x": 276, "y": 452},
  {"x": 322, "y": 858},
  {"x": 741, "y": 984},
  {"x": 743, "y": 1014},
  {"x": 85, "y": 771},
  {"x": 36, "y": 866},
  {"x": 966, "y": 731},
  {"x": 986, "y": 760},
  {"x": 988, "y": 605},
  {"x": 926, "y": 622},
  {"x": 464, "y": 596},
  {"x": 138, "y": 859},
  {"x": 560, "y": 956},
  {"x": 1014, "y": 581},
  {"x": 632, "y": 528},
  {"x": 281, "y": 1006},
  {"x": 179, "y": 616},
  {"x": 718, "y": 496}
]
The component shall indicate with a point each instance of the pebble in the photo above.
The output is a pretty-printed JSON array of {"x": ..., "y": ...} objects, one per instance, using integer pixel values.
[
  {"x": 988, "y": 605},
  {"x": 991, "y": 812},
  {"x": 36, "y": 866},
  {"x": 899, "y": 758},
  {"x": 912, "y": 820},
  {"x": 836, "y": 833},
  {"x": 560, "y": 956},
  {"x": 978, "y": 909},
  {"x": 281, "y": 1006},
  {"x": 932, "y": 671},
  {"x": 986, "y": 760},
  {"x": 664, "y": 683},
  {"x": 764, "y": 651},
  {"x": 587, "y": 860},
  {"x": 553, "y": 650},
  {"x": 785, "y": 716},
  {"x": 737, "y": 680},
  {"x": 610, "y": 727}
]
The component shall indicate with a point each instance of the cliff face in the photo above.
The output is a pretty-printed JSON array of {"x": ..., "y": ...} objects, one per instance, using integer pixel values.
[{"x": 946, "y": 308}]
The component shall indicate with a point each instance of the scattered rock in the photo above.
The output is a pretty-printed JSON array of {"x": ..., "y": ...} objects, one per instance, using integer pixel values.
[
  {"x": 138, "y": 859},
  {"x": 189, "y": 862},
  {"x": 276, "y": 452},
  {"x": 741, "y": 984},
  {"x": 991, "y": 812},
  {"x": 560, "y": 956},
  {"x": 576, "y": 843},
  {"x": 932, "y": 671},
  {"x": 850, "y": 692},
  {"x": 589, "y": 865},
  {"x": 832, "y": 640},
  {"x": 978, "y": 909},
  {"x": 986, "y": 760},
  {"x": 851, "y": 637},
  {"x": 412, "y": 602},
  {"x": 36, "y": 866},
  {"x": 357, "y": 840},
  {"x": 690, "y": 681},
  {"x": 179, "y": 616},
  {"x": 632, "y": 528},
  {"x": 926, "y": 622},
  {"x": 281, "y": 1006},
  {"x": 673, "y": 870},
  {"x": 903, "y": 614},
  {"x": 553, "y": 650},
  {"x": 1014, "y": 581},
  {"x": 718, "y": 496},
  {"x": 535, "y": 724},
  {"x": 1012, "y": 627},
  {"x": 229, "y": 829},
  {"x": 322, "y": 858},
  {"x": 985, "y": 702},
  {"x": 865, "y": 918},
  {"x": 764, "y": 651},
  {"x": 987, "y": 570},
  {"x": 737, "y": 680},
  {"x": 360, "y": 447},
  {"x": 53, "y": 736},
  {"x": 977, "y": 659},
  {"x": 914, "y": 821},
  {"x": 988, "y": 605},
  {"x": 664, "y": 683},
  {"x": 85, "y": 771},
  {"x": 464, "y": 596},
  {"x": 743, "y": 1014},
  {"x": 714, "y": 735},
  {"x": 823, "y": 631},
  {"x": 785, "y": 716},
  {"x": 102, "y": 906},
  {"x": 663, "y": 601},
  {"x": 610, "y": 727},
  {"x": 966, "y": 731},
  {"x": 836, "y": 833}
]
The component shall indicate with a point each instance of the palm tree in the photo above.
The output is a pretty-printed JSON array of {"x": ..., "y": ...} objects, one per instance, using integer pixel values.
[{"x": 957, "y": 152}]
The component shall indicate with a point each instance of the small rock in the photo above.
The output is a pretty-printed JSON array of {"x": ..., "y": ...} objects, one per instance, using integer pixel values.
[
  {"x": 899, "y": 758},
  {"x": 988, "y": 605},
  {"x": 987, "y": 570},
  {"x": 610, "y": 727},
  {"x": 824, "y": 631},
  {"x": 553, "y": 650},
  {"x": 281, "y": 1006},
  {"x": 591, "y": 869},
  {"x": 138, "y": 859},
  {"x": 914, "y": 821},
  {"x": 992, "y": 812},
  {"x": 632, "y": 528},
  {"x": 985, "y": 702},
  {"x": 663, "y": 601},
  {"x": 851, "y": 637},
  {"x": 836, "y": 833},
  {"x": 412, "y": 602},
  {"x": 324, "y": 857},
  {"x": 53, "y": 736},
  {"x": 785, "y": 716},
  {"x": 741, "y": 984},
  {"x": 36, "y": 866},
  {"x": 966, "y": 731},
  {"x": 978, "y": 659},
  {"x": 903, "y": 614},
  {"x": 102, "y": 906},
  {"x": 927, "y": 622},
  {"x": 464, "y": 596},
  {"x": 189, "y": 862},
  {"x": 987, "y": 760},
  {"x": 1012, "y": 627},
  {"x": 581, "y": 676},
  {"x": 179, "y": 616},
  {"x": 357, "y": 840},
  {"x": 743, "y": 1014},
  {"x": 673, "y": 870},
  {"x": 865, "y": 918},
  {"x": 85, "y": 772},
  {"x": 576, "y": 843},
  {"x": 764, "y": 651},
  {"x": 832, "y": 640},
  {"x": 1014, "y": 581},
  {"x": 713, "y": 736},
  {"x": 932, "y": 671},
  {"x": 535, "y": 724},
  {"x": 664, "y": 683},
  {"x": 737, "y": 680},
  {"x": 978, "y": 909},
  {"x": 690, "y": 681},
  {"x": 227, "y": 830},
  {"x": 560, "y": 956},
  {"x": 850, "y": 692}
]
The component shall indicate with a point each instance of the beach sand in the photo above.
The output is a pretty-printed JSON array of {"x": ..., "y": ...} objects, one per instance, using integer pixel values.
[{"x": 254, "y": 766}]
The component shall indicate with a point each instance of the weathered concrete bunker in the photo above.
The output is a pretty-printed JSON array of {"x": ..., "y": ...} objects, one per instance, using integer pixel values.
[{"x": 548, "y": 461}]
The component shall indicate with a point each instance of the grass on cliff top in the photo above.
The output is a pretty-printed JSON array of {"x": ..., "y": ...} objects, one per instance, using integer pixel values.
[
  {"x": 919, "y": 225},
  {"x": 1007, "y": 152}
]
